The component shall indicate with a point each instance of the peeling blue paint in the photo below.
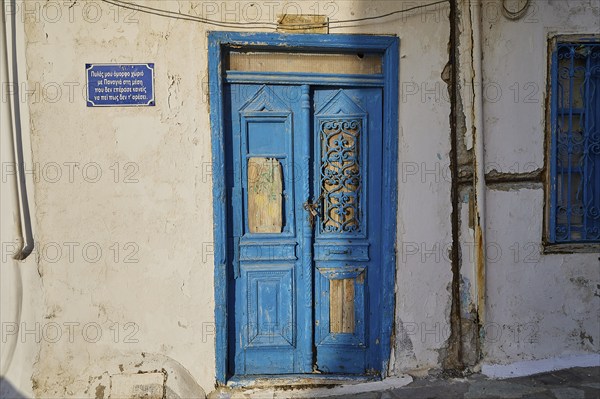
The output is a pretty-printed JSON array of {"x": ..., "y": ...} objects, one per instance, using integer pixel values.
[
  {"x": 465, "y": 198},
  {"x": 388, "y": 46},
  {"x": 465, "y": 297}
]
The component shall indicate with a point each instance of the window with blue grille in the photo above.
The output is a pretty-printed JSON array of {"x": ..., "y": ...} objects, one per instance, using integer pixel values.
[{"x": 575, "y": 143}]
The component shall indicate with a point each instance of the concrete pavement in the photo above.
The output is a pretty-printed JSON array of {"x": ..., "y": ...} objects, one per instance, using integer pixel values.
[{"x": 574, "y": 383}]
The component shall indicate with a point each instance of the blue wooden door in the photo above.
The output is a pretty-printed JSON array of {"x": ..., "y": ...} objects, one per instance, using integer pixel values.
[{"x": 304, "y": 202}]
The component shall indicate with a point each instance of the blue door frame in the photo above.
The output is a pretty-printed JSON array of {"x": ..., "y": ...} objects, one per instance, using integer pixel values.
[{"x": 388, "y": 46}]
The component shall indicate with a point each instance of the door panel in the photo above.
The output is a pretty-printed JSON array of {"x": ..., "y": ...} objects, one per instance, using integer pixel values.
[
  {"x": 347, "y": 170},
  {"x": 265, "y": 238},
  {"x": 305, "y": 294}
]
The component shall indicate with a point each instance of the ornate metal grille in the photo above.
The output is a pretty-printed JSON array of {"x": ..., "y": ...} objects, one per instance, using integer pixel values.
[
  {"x": 340, "y": 175},
  {"x": 575, "y": 161}
]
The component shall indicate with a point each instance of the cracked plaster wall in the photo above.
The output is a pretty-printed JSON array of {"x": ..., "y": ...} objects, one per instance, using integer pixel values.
[
  {"x": 538, "y": 305},
  {"x": 158, "y": 209}
]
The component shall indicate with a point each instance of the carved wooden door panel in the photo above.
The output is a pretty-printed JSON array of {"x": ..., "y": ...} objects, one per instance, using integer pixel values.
[{"x": 304, "y": 177}]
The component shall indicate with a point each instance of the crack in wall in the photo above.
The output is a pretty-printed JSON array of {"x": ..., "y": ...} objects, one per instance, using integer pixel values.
[
  {"x": 495, "y": 177},
  {"x": 452, "y": 354}
]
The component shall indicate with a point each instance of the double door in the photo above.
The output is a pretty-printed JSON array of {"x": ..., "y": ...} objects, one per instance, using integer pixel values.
[{"x": 304, "y": 208}]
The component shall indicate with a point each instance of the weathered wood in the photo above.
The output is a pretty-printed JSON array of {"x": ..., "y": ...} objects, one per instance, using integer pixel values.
[
  {"x": 348, "y": 306},
  {"x": 335, "y": 310},
  {"x": 278, "y": 62},
  {"x": 341, "y": 305},
  {"x": 303, "y": 23},
  {"x": 265, "y": 195}
]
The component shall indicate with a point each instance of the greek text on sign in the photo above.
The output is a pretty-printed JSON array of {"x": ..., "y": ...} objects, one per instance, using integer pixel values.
[{"x": 113, "y": 85}]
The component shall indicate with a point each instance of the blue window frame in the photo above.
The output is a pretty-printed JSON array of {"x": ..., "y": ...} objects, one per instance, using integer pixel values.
[{"x": 575, "y": 142}]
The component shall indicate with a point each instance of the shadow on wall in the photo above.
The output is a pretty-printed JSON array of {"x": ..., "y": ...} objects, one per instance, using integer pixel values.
[{"x": 7, "y": 391}]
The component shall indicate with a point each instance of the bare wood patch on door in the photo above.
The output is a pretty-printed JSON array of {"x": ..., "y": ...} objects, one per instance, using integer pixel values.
[
  {"x": 341, "y": 305},
  {"x": 265, "y": 195}
]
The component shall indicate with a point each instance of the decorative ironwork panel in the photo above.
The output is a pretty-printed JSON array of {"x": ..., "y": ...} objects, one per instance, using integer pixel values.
[
  {"x": 575, "y": 193},
  {"x": 340, "y": 175}
]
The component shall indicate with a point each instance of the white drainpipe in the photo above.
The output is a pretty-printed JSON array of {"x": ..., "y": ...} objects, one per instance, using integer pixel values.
[
  {"x": 15, "y": 229},
  {"x": 11, "y": 124}
]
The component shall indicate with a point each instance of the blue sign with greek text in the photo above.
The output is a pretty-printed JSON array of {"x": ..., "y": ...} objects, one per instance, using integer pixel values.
[{"x": 120, "y": 85}]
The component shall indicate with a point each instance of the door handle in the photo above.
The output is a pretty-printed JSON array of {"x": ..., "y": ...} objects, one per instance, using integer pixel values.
[
  {"x": 339, "y": 251},
  {"x": 313, "y": 213},
  {"x": 313, "y": 209}
]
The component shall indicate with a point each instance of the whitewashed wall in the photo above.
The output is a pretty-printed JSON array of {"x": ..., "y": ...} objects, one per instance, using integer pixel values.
[
  {"x": 539, "y": 305},
  {"x": 163, "y": 210}
]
